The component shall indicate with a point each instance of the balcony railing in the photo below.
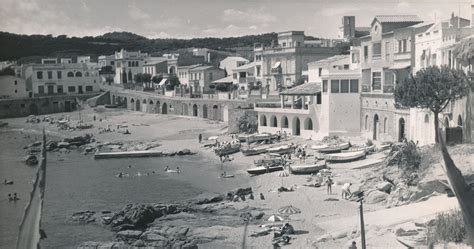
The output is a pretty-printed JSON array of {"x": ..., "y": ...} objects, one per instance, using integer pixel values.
[
  {"x": 388, "y": 88},
  {"x": 365, "y": 88}
]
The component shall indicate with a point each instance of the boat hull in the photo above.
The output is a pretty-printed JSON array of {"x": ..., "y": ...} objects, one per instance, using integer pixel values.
[
  {"x": 280, "y": 150},
  {"x": 345, "y": 157},
  {"x": 262, "y": 170},
  {"x": 335, "y": 149},
  {"x": 228, "y": 151},
  {"x": 253, "y": 152},
  {"x": 307, "y": 169}
]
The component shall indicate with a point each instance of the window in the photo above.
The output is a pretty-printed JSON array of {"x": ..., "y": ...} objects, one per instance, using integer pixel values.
[
  {"x": 387, "y": 51},
  {"x": 402, "y": 46},
  {"x": 427, "y": 118},
  {"x": 366, "y": 52},
  {"x": 50, "y": 75},
  {"x": 344, "y": 86},
  {"x": 50, "y": 90},
  {"x": 88, "y": 88},
  {"x": 78, "y": 74},
  {"x": 334, "y": 86},
  {"x": 376, "y": 80},
  {"x": 129, "y": 64},
  {"x": 71, "y": 89},
  {"x": 39, "y": 75},
  {"x": 70, "y": 74},
  {"x": 320, "y": 71},
  {"x": 112, "y": 63},
  {"x": 60, "y": 89},
  {"x": 16, "y": 91},
  {"x": 433, "y": 59},
  {"x": 284, "y": 44},
  {"x": 325, "y": 86},
  {"x": 210, "y": 76},
  {"x": 376, "y": 49},
  {"x": 318, "y": 98},
  {"x": 41, "y": 89},
  {"x": 354, "y": 88},
  {"x": 346, "y": 66},
  {"x": 59, "y": 74}
]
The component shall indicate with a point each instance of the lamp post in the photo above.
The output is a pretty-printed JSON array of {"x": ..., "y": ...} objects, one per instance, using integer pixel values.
[{"x": 360, "y": 198}]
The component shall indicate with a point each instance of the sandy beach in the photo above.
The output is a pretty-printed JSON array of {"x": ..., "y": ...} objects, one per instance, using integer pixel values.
[{"x": 322, "y": 223}]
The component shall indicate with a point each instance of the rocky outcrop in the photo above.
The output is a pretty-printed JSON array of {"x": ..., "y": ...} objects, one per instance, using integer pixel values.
[{"x": 376, "y": 197}]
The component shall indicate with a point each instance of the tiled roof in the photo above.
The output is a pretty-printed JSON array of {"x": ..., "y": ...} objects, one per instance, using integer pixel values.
[
  {"x": 247, "y": 66},
  {"x": 397, "y": 18},
  {"x": 200, "y": 68},
  {"x": 329, "y": 60},
  {"x": 305, "y": 89},
  {"x": 227, "y": 79}
]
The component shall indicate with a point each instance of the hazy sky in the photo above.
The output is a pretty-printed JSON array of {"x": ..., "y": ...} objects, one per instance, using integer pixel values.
[{"x": 207, "y": 18}]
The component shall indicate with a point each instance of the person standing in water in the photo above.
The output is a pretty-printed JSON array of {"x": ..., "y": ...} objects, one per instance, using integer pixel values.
[{"x": 200, "y": 137}]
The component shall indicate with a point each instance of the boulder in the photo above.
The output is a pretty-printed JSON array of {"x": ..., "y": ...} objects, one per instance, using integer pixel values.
[
  {"x": 214, "y": 199},
  {"x": 137, "y": 216},
  {"x": 384, "y": 187},
  {"x": 402, "y": 232},
  {"x": 129, "y": 234},
  {"x": 376, "y": 197}
]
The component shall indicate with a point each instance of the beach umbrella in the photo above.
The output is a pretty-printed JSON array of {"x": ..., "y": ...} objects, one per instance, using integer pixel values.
[
  {"x": 282, "y": 173},
  {"x": 288, "y": 210},
  {"x": 275, "y": 218}
]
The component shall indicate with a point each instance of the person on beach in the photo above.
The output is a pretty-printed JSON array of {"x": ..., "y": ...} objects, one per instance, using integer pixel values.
[
  {"x": 10, "y": 197},
  {"x": 15, "y": 197},
  {"x": 353, "y": 245},
  {"x": 200, "y": 137},
  {"x": 262, "y": 197},
  {"x": 346, "y": 191},
  {"x": 167, "y": 167},
  {"x": 178, "y": 170},
  {"x": 251, "y": 196},
  {"x": 329, "y": 183}
]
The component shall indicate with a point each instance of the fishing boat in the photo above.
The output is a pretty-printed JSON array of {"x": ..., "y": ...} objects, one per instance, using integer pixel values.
[
  {"x": 254, "y": 151},
  {"x": 308, "y": 168},
  {"x": 367, "y": 149},
  {"x": 345, "y": 156},
  {"x": 332, "y": 148},
  {"x": 262, "y": 169},
  {"x": 227, "y": 149},
  {"x": 250, "y": 138},
  {"x": 283, "y": 149},
  {"x": 267, "y": 162}
]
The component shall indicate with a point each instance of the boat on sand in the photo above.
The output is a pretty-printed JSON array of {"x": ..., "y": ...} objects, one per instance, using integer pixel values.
[
  {"x": 262, "y": 169},
  {"x": 254, "y": 151},
  {"x": 345, "y": 156},
  {"x": 331, "y": 148},
  {"x": 283, "y": 149},
  {"x": 267, "y": 162},
  {"x": 308, "y": 168},
  {"x": 228, "y": 149}
]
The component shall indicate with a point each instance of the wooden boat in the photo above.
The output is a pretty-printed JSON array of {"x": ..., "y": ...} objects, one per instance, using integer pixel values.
[
  {"x": 367, "y": 149},
  {"x": 334, "y": 148},
  {"x": 227, "y": 149},
  {"x": 254, "y": 151},
  {"x": 284, "y": 149},
  {"x": 227, "y": 176},
  {"x": 267, "y": 162},
  {"x": 308, "y": 168},
  {"x": 262, "y": 169},
  {"x": 345, "y": 156},
  {"x": 250, "y": 138}
]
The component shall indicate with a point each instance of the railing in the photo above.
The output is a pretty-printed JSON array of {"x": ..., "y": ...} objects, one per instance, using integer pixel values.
[
  {"x": 388, "y": 88},
  {"x": 365, "y": 88},
  {"x": 268, "y": 105},
  {"x": 376, "y": 56},
  {"x": 402, "y": 56}
]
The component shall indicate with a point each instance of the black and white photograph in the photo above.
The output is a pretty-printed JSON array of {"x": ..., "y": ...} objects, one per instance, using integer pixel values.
[{"x": 222, "y": 124}]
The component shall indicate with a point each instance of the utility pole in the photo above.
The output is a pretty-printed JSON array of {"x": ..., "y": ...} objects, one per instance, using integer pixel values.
[{"x": 360, "y": 198}]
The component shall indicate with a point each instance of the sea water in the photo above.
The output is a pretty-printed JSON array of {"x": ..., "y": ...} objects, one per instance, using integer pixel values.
[{"x": 76, "y": 182}]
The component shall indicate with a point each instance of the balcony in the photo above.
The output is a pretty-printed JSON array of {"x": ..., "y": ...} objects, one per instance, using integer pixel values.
[
  {"x": 366, "y": 88},
  {"x": 376, "y": 56},
  {"x": 402, "y": 56},
  {"x": 388, "y": 88}
]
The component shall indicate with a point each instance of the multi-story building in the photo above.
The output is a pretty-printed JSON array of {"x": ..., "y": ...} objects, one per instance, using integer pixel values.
[
  {"x": 246, "y": 76},
  {"x": 127, "y": 65},
  {"x": 56, "y": 79},
  {"x": 12, "y": 86},
  {"x": 328, "y": 105},
  {"x": 201, "y": 77},
  {"x": 232, "y": 62},
  {"x": 283, "y": 63},
  {"x": 155, "y": 66},
  {"x": 107, "y": 60},
  {"x": 386, "y": 56},
  {"x": 184, "y": 74}
]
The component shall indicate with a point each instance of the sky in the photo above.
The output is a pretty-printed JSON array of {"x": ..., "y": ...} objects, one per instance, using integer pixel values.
[{"x": 208, "y": 18}]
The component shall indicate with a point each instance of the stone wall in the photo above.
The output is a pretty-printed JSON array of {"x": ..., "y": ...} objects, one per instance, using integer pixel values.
[
  {"x": 10, "y": 108},
  {"x": 235, "y": 115},
  {"x": 102, "y": 99}
]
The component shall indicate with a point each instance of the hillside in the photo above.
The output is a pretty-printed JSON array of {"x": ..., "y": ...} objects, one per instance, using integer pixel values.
[{"x": 32, "y": 47}]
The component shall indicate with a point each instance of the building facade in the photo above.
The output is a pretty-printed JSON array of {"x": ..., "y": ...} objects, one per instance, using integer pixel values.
[
  {"x": 232, "y": 62},
  {"x": 201, "y": 77},
  {"x": 127, "y": 65},
  {"x": 12, "y": 87}
]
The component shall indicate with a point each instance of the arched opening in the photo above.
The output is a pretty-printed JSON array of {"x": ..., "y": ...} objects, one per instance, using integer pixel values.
[
  {"x": 284, "y": 122},
  {"x": 158, "y": 107},
  {"x": 401, "y": 129},
  {"x": 150, "y": 102},
  {"x": 113, "y": 100},
  {"x": 446, "y": 122},
  {"x": 172, "y": 70},
  {"x": 296, "y": 129},
  {"x": 385, "y": 125},
  {"x": 164, "y": 109},
  {"x": 33, "y": 109},
  {"x": 215, "y": 112},
  {"x": 184, "y": 108},
  {"x": 70, "y": 74},
  {"x": 366, "y": 124},
  {"x": 308, "y": 124},
  {"x": 459, "y": 121},
  {"x": 273, "y": 121},
  {"x": 263, "y": 120},
  {"x": 376, "y": 124},
  {"x": 204, "y": 111},
  {"x": 137, "y": 105},
  {"x": 78, "y": 74},
  {"x": 195, "y": 110},
  {"x": 125, "y": 103}
]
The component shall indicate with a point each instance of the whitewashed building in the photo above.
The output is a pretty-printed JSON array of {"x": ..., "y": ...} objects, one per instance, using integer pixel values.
[
  {"x": 232, "y": 62},
  {"x": 12, "y": 87}
]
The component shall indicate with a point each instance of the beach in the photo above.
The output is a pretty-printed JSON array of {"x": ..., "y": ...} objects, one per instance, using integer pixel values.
[{"x": 76, "y": 182}]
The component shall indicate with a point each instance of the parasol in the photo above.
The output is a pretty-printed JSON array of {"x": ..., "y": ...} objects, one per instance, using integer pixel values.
[
  {"x": 288, "y": 210},
  {"x": 275, "y": 218}
]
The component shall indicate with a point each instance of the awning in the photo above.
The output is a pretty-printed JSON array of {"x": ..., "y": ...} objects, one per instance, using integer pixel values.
[
  {"x": 226, "y": 80},
  {"x": 277, "y": 65},
  {"x": 399, "y": 66},
  {"x": 162, "y": 82}
]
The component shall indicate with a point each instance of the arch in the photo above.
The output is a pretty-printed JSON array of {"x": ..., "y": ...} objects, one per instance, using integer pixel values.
[
  {"x": 296, "y": 129},
  {"x": 195, "y": 110},
  {"x": 459, "y": 121},
  {"x": 308, "y": 124},
  {"x": 273, "y": 121},
  {"x": 446, "y": 122},
  {"x": 70, "y": 74},
  {"x": 125, "y": 102},
  {"x": 204, "y": 111},
  {"x": 184, "y": 108},
  {"x": 385, "y": 125},
  {"x": 137, "y": 105},
  {"x": 150, "y": 102},
  {"x": 33, "y": 109},
  {"x": 366, "y": 124},
  {"x": 427, "y": 118},
  {"x": 78, "y": 74},
  {"x": 263, "y": 120},
  {"x": 164, "y": 109},
  {"x": 113, "y": 99},
  {"x": 144, "y": 101},
  {"x": 215, "y": 112},
  {"x": 132, "y": 101},
  {"x": 172, "y": 70},
  {"x": 376, "y": 124},
  {"x": 157, "y": 106},
  {"x": 284, "y": 122},
  {"x": 401, "y": 129}
]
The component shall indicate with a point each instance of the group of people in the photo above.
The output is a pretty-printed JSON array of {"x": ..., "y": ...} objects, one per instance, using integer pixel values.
[
  {"x": 13, "y": 197},
  {"x": 167, "y": 168},
  {"x": 300, "y": 152},
  {"x": 345, "y": 190}
]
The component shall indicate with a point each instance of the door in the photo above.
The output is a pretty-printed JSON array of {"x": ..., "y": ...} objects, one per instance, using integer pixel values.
[
  {"x": 50, "y": 90},
  {"x": 401, "y": 129},
  {"x": 376, "y": 126},
  {"x": 80, "y": 90}
]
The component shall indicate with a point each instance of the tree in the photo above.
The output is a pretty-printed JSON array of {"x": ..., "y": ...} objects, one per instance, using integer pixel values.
[
  {"x": 173, "y": 82},
  {"x": 157, "y": 79},
  {"x": 109, "y": 79},
  {"x": 146, "y": 78},
  {"x": 7, "y": 71},
  {"x": 138, "y": 79},
  {"x": 432, "y": 88}
]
